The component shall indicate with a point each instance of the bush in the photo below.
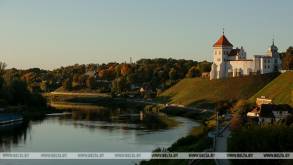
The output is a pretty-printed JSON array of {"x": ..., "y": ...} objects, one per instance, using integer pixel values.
[{"x": 274, "y": 138}]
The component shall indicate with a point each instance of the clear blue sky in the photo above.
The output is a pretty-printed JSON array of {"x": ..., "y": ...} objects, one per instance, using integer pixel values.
[{"x": 52, "y": 33}]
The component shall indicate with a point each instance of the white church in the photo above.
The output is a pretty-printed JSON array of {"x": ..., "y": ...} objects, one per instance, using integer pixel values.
[{"x": 229, "y": 62}]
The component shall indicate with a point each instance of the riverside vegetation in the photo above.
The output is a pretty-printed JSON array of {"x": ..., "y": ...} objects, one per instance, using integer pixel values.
[{"x": 20, "y": 87}]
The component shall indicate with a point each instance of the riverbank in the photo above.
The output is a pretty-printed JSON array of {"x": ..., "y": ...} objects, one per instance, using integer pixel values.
[
  {"x": 73, "y": 101},
  {"x": 29, "y": 112},
  {"x": 196, "y": 141},
  {"x": 152, "y": 110},
  {"x": 65, "y": 133}
]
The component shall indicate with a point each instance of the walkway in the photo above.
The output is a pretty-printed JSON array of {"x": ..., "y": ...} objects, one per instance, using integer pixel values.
[{"x": 222, "y": 144}]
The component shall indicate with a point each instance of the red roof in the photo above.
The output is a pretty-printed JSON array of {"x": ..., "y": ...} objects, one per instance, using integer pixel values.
[{"x": 223, "y": 41}]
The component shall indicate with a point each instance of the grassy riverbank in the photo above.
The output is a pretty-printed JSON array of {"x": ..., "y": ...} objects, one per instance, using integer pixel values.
[
  {"x": 153, "y": 120},
  {"x": 196, "y": 141},
  {"x": 198, "y": 91}
]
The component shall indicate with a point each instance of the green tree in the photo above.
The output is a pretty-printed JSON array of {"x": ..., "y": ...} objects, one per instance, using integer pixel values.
[
  {"x": 172, "y": 74},
  {"x": 67, "y": 84},
  {"x": 193, "y": 72},
  {"x": 19, "y": 91},
  {"x": 2, "y": 68},
  {"x": 119, "y": 85},
  {"x": 44, "y": 86},
  {"x": 204, "y": 66}
]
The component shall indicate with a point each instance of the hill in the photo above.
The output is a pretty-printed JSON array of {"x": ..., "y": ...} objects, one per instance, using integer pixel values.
[
  {"x": 280, "y": 90},
  {"x": 198, "y": 91}
]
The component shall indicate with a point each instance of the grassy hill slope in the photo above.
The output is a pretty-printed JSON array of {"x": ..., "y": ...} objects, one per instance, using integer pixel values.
[
  {"x": 196, "y": 91},
  {"x": 280, "y": 89}
]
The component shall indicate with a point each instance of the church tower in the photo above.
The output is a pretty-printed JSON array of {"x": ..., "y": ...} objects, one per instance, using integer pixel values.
[
  {"x": 273, "y": 52},
  {"x": 221, "y": 50}
]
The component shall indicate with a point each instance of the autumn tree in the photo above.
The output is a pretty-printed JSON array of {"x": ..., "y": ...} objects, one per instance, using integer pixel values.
[
  {"x": 125, "y": 69},
  {"x": 91, "y": 82},
  {"x": 287, "y": 59},
  {"x": 236, "y": 121}
]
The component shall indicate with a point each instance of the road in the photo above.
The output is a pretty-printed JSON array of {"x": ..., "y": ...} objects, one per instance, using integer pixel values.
[
  {"x": 78, "y": 94},
  {"x": 222, "y": 144},
  {"x": 130, "y": 100},
  {"x": 170, "y": 105}
]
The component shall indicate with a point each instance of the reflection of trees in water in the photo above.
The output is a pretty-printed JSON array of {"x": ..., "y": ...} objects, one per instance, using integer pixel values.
[
  {"x": 12, "y": 135},
  {"x": 115, "y": 118},
  {"x": 104, "y": 114}
]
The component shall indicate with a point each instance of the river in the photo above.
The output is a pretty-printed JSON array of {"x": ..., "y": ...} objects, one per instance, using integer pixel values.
[{"x": 89, "y": 133}]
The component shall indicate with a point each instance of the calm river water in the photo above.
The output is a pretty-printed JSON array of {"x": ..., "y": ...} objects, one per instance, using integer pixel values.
[{"x": 88, "y": 133}]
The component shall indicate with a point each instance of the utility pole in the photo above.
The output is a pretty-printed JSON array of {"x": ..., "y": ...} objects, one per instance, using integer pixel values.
[{"x": 217, "y": 123}]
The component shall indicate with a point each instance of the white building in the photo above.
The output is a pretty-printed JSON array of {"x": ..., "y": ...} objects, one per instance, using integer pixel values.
[
  {"x": 229, "y": 62},
  {"x": 267, "y": 112}
]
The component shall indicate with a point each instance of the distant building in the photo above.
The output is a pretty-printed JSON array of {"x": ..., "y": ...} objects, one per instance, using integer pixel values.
[
  {"x": 230, "y": 62},
  {"x": 263, "y": 100},
  {"x": 205, "y": 75},
  {"x": 266, "y": 112}
]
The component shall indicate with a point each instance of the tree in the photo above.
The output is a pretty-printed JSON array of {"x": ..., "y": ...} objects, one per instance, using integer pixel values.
[
  {"x": 11, "y": 74},
  {"x": 82, "y": 80},
  {"x": 236, "y": 122},
  {"x": 103, "y": 74},
  {"x": 204, "y": 66},
  {"x": 67, "y": 84},
  {"x": 91, "y": 82},
  {"x": 19, "y": 91},
  {"x": 44, "y": 86},
  {"x": 172, "y": 74},
  {"x": 125, "y": 69},
  {"x": 193, "y": 72},
  {"x": 119, "y": 85},
  {"x": 287, "y": 59},
  {"x": 2, "y": 68}
]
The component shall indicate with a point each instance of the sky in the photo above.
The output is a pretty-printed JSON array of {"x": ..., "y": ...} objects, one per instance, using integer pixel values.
[{"x": 53, "y": 33}]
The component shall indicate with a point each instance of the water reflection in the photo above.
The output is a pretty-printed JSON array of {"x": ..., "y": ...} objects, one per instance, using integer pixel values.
[
  {"x": 13, "y": 134},
  {"x": 102, "y": 118},
  {"x": 103, "y": 130},
  {"x": 119, "y": 115}
]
